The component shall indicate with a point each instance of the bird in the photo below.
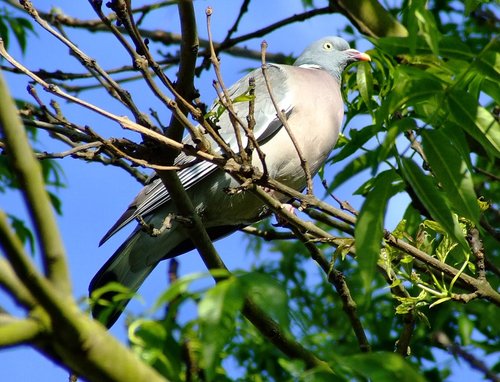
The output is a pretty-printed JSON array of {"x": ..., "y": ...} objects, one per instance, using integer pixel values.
[{"x": 309, "y": 93}]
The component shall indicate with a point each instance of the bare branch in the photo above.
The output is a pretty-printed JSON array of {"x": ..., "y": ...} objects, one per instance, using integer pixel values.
[
  {"x": 478, "y": 251},
  {"x": 125, "y": 122},
  {"x": 234, "y": 28},
  {"x": 344, "y": 205},
  {"x": 444, "y": 342},
  {"x": 113, "y": 88},
  {"x": 269, "y": 234},
  {"x": 57, "y": 310},
  {"x": 337, "y": 279},
  {"x": 350, "y": 307},
  {"x": 284, "y": 121}
]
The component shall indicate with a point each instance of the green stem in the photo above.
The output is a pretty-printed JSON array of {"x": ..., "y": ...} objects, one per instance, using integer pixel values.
[{"x": 29, "y": 174}]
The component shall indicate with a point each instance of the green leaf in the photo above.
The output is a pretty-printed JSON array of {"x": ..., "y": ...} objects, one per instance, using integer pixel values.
[
  {"x": 465, "y": 328},
  {"x": 178, "y": 288},
  {"x": 245, "y": 97},
  {"x": 23, "y": 232},
  {"x": 268, "y": 294},
  {"x": 413, "y": 219},
  {"x": 451, "y": 173},
  {"x": 412, "y": 87},
  {"x": 488, "y": 60},
  {"x": 427, "y": 25},
  {"x": 382, "y": 367},
  {"x": 475, "y": 120},
  {"x": 358, "y": 139},
  {"x": 395, "y": 128},
  {"x": 110, "y": 297},
  {"x": 449, "y": 47},
  {"x": 488, "y": 63},
  {"x": 20, "y": 26},
  {"x": 307, "y": 4},
  {"x": 492, "y": 89},
  {"x": 56, "y": 202},
  {"x": 154, "y": 343},
  {"x": 217, "y": 314},
  {"x": 471, "y": 5},
  {"x": 412, "y": 25},
  {"x": 432, "y": 199},
  {"x": 369, "y": 229},
  {"x": 52, "y": 173},
  {"x": 365, "y": 82},
  {"x": 354, "y": 167},
  {"x": 4, "y": 31},
  {"x": 459, "y": 140}
]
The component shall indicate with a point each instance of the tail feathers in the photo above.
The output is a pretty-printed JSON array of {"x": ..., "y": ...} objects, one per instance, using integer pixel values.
[
  {"x": 111, "y": 302},
  {"x": 133, "y": 262}
]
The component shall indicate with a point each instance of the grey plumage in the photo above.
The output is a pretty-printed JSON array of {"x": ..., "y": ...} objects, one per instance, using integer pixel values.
[{"x": 309, "y": 92}]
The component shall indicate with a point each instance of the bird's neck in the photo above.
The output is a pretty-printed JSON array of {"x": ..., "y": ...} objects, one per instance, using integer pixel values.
[{"x": 319, "y": 67}]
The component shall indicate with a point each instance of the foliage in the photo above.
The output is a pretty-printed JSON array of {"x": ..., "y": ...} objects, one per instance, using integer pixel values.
[
  {"x": 430, "y": 101},
  {"x": 20, "y": 27}
]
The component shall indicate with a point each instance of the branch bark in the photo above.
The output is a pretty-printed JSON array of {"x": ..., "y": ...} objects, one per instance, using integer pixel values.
[
  {"x": 28, "y": 172},
  {"x": 371, "y": 18},
  {"x": 73, "y": 339}
]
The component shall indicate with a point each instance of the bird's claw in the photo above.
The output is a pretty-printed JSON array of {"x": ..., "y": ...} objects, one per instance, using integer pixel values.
[{"x": 280, "y": 220}]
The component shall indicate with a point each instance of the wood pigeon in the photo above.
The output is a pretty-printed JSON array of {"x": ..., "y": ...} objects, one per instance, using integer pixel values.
[{"x": 309, "y": 93}]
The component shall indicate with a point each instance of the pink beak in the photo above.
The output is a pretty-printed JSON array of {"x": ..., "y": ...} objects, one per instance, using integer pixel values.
[{"x": 358, "y": 56}]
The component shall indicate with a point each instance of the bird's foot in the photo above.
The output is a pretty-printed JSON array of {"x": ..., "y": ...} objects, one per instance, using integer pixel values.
[{"x": 280, "y": 220}]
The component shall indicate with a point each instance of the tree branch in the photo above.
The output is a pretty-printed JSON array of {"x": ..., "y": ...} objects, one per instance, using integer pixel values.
[
  {"x": 284, "y": 121},
  {"x": 14, "y": 331},
  {"x": 337, "y": 279},
  {"x": 80, "y": 343},
  {"x": 27, "y": 169},
  {"x": 370, "y": 17},
  {"x": 114, "y": 89},
  {"x": 444, "y": 342},
  {"x": 11, "y": 283}
]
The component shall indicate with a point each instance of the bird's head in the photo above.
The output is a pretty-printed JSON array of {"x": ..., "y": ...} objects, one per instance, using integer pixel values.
[{"x": 332, "y": 54}]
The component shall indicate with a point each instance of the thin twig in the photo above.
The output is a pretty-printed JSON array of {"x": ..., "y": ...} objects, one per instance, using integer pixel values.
[
  {"x": 172, "y": 277},
  {"x": 270, "y": 28},
  {"x": 350, "y": 307},
  {"x": 326, "y": 219},
  {"x": 488, "y": 174},
  {"x": 75, "y": 136},
  {"x": 344, "y": 205},
  {"x": 269, "y": 234},
  {"x": 337, "y": 279},
  {"x": 234, "y": 28},
  {"x": 284, "y": 121},
  {"x": 444, "y": 342},
  {"x": 121, "y": 9},
  {"x": 74, "y": 150},
  {"x": 398, "y": 290},
  {"x": 478, "y": 251},
  {"x": 125, "y": 122},
  {"x": 225, "y": 99},
  {"x": 167, "y": 38},
  {"x": 113, "y": 88},
  {"x": 416, "y": 145}
]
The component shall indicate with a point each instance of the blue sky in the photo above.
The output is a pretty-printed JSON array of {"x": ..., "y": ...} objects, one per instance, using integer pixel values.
[{"x": 97, "y": 195}]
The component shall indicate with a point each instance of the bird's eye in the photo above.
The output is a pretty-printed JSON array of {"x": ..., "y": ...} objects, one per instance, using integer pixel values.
[{"x": 327, "y": 46}]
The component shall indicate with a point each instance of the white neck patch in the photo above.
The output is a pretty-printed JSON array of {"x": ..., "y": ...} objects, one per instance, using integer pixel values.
[{"x": 310, "y": 66}]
